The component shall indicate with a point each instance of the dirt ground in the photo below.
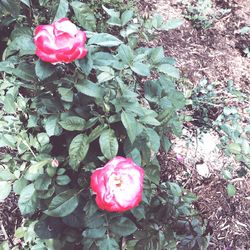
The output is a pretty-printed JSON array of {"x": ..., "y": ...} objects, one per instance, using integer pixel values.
[{"x": 217, "y": 54}]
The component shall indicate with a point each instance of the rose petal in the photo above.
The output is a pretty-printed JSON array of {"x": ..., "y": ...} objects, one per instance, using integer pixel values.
[
  {"x": 65, "y": 26},
  {"x": 47, "y": 57},
  {"x": 64, "y": 42}
]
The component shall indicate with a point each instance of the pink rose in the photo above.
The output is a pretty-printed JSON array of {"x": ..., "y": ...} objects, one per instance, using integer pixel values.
[
  {"x": 118, "y": 185},
  {"x": 59, "y": 42}
]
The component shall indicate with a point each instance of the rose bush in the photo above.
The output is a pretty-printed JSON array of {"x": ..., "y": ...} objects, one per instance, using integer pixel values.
[
  {"x": 59, "y": 42},
  {"x": 118, "y": 185}
]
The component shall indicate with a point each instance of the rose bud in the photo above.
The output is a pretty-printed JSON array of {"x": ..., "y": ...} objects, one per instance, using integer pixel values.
[
  {"x": 118, "y": 185},
  {"x": 60, "y": 42},
  {"x": 55, "y": 163}
]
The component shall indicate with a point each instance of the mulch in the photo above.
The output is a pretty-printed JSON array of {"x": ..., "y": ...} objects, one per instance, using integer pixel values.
[{"x": 10, "y": 219}]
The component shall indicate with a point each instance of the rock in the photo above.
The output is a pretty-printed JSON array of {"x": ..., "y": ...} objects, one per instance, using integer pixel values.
[{"x": 203, "y": 170}]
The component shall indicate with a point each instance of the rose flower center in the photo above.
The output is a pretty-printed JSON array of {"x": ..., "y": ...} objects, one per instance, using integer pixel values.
[{"x": 116, "y": 181}]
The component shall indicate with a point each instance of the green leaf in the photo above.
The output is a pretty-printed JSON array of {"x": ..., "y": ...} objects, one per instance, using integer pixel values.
[
  {"x": 150, "y": 121},
  {"x": 21, "y": 30},
  {"x": 157, "y": 55},
  {"x": 48, "y": 228},
  {"x": 20, "y": 232},
  {"x": 111, "y": 12},
  {"x": 116, "y": 21},
  {"x": 126, "y": 54},
  {"x": 4, "y": 245},
  {"x": 108, "y": 244},
  {"x": 227, "y": 174},
  {"x": 157, "y": 21},
  {"x": 6, "y": 67},
  {"x": 19, "y": 185},
  {"x": 26, "y": 2},
  {"x": 234, "y": 148},
  {"x": 95, "y": 221},
  {"x": 9, "y": 104},
  {"x": 43, "y": 69},
  {"x": 148, "y": 244},
  {"x": 66, "y": 94},
  {"x": 141, "y": 69},
  {"x": 13, "y": 7},
  {"x": 94, "y": 233},
  {"x": 63, "y": 204},
  {"x": 106, "y": 76},
  {"x": 135, "y": 155},
  {"x": 78, "y": 149},
  {"x": 170, "y": 70},
  {"x": 84, "y": 15},
  {"x": 104, "y": 39},
  {"x": 43, "y": 139},
  {"x": 103, "y": 59},
  {"x": 114, "y": 16},
  {"x": 27, "y": 202},
  {"x": 176, "y": 98},
  {"x": 52, "y": 126},
  {"x": 23, "y": 43},
  {"x": 42, "y": 182},
  {"x": 5, "y": 188},
  {"x": 126, "y": 16},
  {"x": 62, "y": 10},
  {"x": 166, "y": 143},
  {"x": 35, "y": 170},
  {"x": 122, "y": 226},
  {"x": 172, "y": 24},
  {"x": 108, "y": 144},
  {"x": 153, "y": 173},
  {"x": 138, "y": 212},
  {"x": 130, "y": 124},
  {"x": 244, "y": 30},
  {"x": 75, "y": 219},
  {"x": 96, "y": 132},
  {"x": 153, "y": 139},
  {"x": 245, "y": 146},
  {"x": 38, "y": 246},
  {"x": 91, "y": 122},
  {"x": 73, "y": 123},
  {"x": 25, "y": 71},
  {"x": 90, "y": 89},
  {"x": 90, "y": 208},
  {"x": 231, "y": 190},
  {"x": 6, "y": 175},
  {"x": 85, "y": 64},
  {"x": 63, "y": 180},
  {"x": 175, "y": 189},
  {"x": 7, "y": 140}
]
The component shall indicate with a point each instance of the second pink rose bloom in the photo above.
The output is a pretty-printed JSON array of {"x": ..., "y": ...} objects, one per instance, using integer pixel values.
[
  {"x": 60, "y": 42},
  {"x": 118, "y": 185}
]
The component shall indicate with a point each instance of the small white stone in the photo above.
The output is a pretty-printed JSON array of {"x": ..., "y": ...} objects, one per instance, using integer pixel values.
[
  {"x": 207, "y": 143},
  {"x": 203, "y": 170}
]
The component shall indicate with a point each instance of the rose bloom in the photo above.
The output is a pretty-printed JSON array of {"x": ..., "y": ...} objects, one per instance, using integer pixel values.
[
  {"x": 118, "y": 185},
  {"x": 60, "y": 42}
]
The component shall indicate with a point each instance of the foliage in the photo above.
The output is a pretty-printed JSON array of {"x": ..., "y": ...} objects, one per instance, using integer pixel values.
[
  {"x": 61, "y": 122},
  {"x": 202, "y": 13},
  {"x": 226, "y": 111},
  {"x": 245, "y": 31}
]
